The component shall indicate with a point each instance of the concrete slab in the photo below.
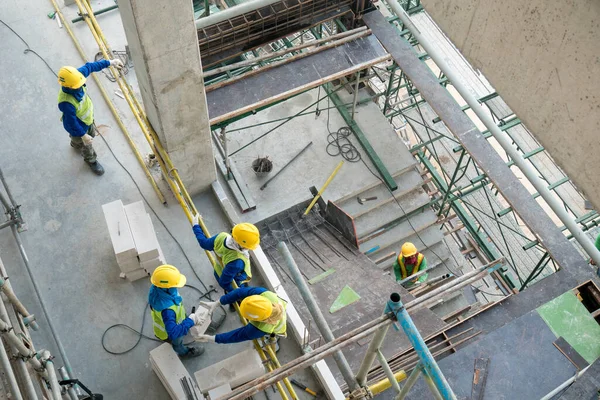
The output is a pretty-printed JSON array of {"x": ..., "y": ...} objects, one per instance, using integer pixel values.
[{"x": 235, "y": 371}]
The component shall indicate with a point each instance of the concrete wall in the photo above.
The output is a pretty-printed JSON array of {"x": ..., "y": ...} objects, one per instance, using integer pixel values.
[
  {"x": 164, "y": 47},
  {"x": 543, "y": 57}
]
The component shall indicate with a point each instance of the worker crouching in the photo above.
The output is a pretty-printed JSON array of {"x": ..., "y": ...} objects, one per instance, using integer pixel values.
[
  {"x": 264, "y": 310},
  {"x": 233, "y": 251},
  {"x": 168, "y": 314},
  {"x": 410, "y": 262}
]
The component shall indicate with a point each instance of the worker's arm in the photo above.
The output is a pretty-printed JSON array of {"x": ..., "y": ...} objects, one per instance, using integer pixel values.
[
  {"x": 230, "y": 271},
  {"x": 90, "y": 67},
  {"x": 70, "y": 121},
  {"x": 248, "y": 332},
  {"x": 397, "y": 271},
  {"x": 175, "y": 330},
  {"x": 203, "y": 241},
  {"x": 240, "y": 294},
  {"x": 422, "y": 267}
]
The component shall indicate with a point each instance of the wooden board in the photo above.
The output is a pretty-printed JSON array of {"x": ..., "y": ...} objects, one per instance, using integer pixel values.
[{"x": 572, "y": 355}]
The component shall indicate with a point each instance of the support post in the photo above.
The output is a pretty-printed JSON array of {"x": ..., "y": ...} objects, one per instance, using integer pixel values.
[
  {"x": 410, "y": 382},
  {"x": 388, "y": 371},
  {"x": 371, "y": 353}
]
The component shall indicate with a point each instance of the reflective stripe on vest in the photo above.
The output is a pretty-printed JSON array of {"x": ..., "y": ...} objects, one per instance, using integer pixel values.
[
  {"x": 415, "y": 268},
  {"x": 281, "y": 326},
  {"x": 227, "y": 255},
  {"x": 159, "y": 325},
  {"x": 84, "y": 109}
]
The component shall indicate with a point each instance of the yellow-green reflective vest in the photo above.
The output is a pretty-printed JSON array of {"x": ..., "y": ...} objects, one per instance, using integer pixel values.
[
  {"x": 84, "y": 109},
  {"x": 281, "y": 326},
  {"x": 159, "y": 326},
  {"x": 227, "y": 255},
  {"x": 415, "y": 268}
]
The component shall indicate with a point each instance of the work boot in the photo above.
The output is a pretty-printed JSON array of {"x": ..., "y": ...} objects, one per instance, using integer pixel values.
[
  {"x": 194, "y": 351},
  {"x": 96, "y": 167}
]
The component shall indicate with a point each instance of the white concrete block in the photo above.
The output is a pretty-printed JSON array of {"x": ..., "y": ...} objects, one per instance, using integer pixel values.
[
  {"x": 136, "y": 275},
  {"x": 144, "y": 236},
  {"x": 219, "y": 392},
  {"x": 151, "y": 265},
  {"x": 237, "y": 370},
  {"x": 130, "y": 265},
  {"x": 169, "y": 368},
  {"x": 262, "y": 264},
  {"x": 119, "y": 231},
  {"x": 137, "y": 208}
]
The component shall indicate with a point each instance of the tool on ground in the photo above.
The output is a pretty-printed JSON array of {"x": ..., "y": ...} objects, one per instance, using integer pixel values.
[
  {"x": 285, "y": 166},
  {"x": 479, "y": 378},
  {"x": 327, "y": 182},
  {"x": 362, "y": 200},
  {"x": 303, "y": 387}
]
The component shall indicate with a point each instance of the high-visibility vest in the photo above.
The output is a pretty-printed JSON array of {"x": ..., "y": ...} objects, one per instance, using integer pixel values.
[
  {"x": 281, "y": 326},
  {"x": 227, "y": 255},
  {"x": 159, "y": 325},
  {"x": 84, "y": 109},
  {"x": 415, "y": 268}
]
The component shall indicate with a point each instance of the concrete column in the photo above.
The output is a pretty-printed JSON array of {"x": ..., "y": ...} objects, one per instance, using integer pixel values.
[{"x": 164, "y": 47}]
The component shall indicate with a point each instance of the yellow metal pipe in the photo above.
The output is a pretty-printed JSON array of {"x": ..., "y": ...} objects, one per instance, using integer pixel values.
[
  {"x": 327, "y": 182},
  {"x": 112, "y": 108},
  {"x": 172, "y": 177},
  {"x": 385, "y": 384}
]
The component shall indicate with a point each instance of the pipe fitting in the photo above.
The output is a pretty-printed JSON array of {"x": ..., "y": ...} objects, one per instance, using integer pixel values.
[
  {"x": 30, "y": 322},
  {"x": 394, "y": 305}
]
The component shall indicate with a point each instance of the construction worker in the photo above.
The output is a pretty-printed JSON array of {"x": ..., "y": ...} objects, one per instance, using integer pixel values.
[
  {"x": 264, "y": 310},
  {"x": 409, "y": 262},
  {"x": 77, "y": 108},
  {"x": 233, "y": 250},
  {"x": 168, "y": 314}
]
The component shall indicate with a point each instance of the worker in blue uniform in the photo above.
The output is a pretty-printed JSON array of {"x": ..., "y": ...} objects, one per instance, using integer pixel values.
[
  {"x": 78, "y": 110},
  {"x": 233, "y": 251},
  {"x": 264, "y": 310},
  {"x": 169, "y": 319}
]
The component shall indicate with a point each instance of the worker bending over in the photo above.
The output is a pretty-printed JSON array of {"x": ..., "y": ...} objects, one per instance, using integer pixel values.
[
  {"x": 233, "y": 250},
  {"x": 77, "y": 108},
  {"x": 409, "y": 262},
  {"x": 263, "y": 309},
  {"x": 168, "y": 314}
]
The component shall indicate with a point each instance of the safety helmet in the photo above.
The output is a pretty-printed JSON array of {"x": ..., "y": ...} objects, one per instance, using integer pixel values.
[
  {"x": 246, "y": 235},
  {"x": 256, "y": 308},
  {"x": 167, "y": 276},
  {"x": 70, "y": 78},
  {"x": 408, "y": 249}
]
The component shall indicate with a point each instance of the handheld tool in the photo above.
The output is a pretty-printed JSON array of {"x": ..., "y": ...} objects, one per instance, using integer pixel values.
[
  {"x": 303, "y": 387},
  {"x": 362, "y": 200}
]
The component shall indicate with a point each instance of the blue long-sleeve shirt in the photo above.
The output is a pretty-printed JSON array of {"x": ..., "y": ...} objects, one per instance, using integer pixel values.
[
  {"x": 71, "y": 123},
  {"x": 232, "y": 271},
  {"x": 160, "y": 300},
  {"x": 248, "y": 332},
  {"x": 175, "y": 330}
]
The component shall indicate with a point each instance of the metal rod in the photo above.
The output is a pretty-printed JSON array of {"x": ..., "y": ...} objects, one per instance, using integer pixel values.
[
  {"x": 429, "y": 364},
  {"x": 26, "y": 382},
  {"x": 370, "y": 354},
  {"x": 29, "y": 318},
  {"x": 8, "y": 223},
  {"x": 528, "y": 170},
  {"x": 434, "y": 390},
  {"x": 285, "y": 166},
  {"x": 355, "y": 99},
  {"x": 9, "y": 374},
  {"x": 54, "y": 385},
  {"x": 410, "y": 382},
  {"x": 317, "y": 315},
  {"x": 8, "y": 192},
  {"x": 388, "y": 371},
  {"x": 71, "y": 389},
  {"x": 97, "y": 12},
  {"x": 232, "y": 12},
  {"x": 5, "y": 203}
]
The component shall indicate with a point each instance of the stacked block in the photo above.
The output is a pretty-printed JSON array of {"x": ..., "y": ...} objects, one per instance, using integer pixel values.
[
  {"x": 170, "y": 370},
  {"x": 133, "y": 238}
]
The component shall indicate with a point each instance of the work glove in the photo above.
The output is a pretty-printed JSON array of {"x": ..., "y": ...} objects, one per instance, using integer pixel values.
[
  {"x": 87, "y": 140},
  {"x": 205, "y": 339},
  {"x": 197, "y": 318},
  {"x": 196, "y": 219},
  {"x": 118, "y": 64}
]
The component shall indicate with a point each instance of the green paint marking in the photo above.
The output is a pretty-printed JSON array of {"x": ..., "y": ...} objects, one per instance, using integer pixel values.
[
  {"x": 322, "y": 276},
  {"x": 566, "y": 316},
  {"x": 346, "y": 297}
]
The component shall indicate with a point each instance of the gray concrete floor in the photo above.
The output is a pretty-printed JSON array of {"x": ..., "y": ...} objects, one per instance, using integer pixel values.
[{"x": 67, "y": 243}]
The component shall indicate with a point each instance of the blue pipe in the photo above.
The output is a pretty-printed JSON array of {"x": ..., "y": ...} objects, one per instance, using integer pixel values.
[{"x": 395, "y": 306}]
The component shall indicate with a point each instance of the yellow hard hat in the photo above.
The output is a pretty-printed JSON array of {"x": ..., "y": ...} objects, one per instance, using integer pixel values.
[
  {"x": 246, "y": 235},
  {"x": 256, "y": 308},
  {"x": 167, "y": 276},
  {"x": 408, "y": 249},
  {"x": 70, "y": 78}
]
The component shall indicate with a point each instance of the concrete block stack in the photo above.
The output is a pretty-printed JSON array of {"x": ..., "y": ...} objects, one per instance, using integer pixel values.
[
  {"x": 133, "y": 238},
  {"x": 233, "y": 371},
  {"x": 170, "y": 370}
]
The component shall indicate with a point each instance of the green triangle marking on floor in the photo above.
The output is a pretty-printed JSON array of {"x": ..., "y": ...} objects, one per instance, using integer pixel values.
[
  {"x": 322, "y": 276},
  {"x": 346, "y": 297}
]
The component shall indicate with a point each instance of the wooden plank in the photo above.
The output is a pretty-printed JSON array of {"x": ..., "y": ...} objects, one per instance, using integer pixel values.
[
  {"x": 479, "y": 378},
  {"x": 572, "y": 355}
]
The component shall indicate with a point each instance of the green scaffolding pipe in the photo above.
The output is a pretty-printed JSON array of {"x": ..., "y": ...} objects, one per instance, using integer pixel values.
[
  {"x": 536, "y": 194},
  {"x": 486, "y": 134},
  {"x": 584, "y": 220},
  {"x": 467, "y": 107},
  {"x": 100, "y": 11}
]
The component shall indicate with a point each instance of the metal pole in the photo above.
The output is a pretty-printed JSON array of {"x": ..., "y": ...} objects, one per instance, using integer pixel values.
[
  {"x": 232, "y": 12},
  {"x": 371, "y": 353},
  {"x": 71, "y": 389},
  {"x": 26, "y": 381},
  {"x": 355, "y": 94},
  {"x": 54, "y": 385},
  {"x": 316, "y": 313},
  {"x": 97, "y": 12},
  {"x": 59, "y": 344},
  {"x": 429, "y": 364},
  {"x": 504, "y": 141},
  {"x": 28, "y": 318},
  {"x": 8, "y": 332},
  {"x": 388, "y": 371},
  {"x": 285, "y": 166},
  {"x": 5, "y": 203},
  {"x": 410, "y": 382},
  {"x": 8, "y": 223},
  {"x": 434, "y": 391},
  {"x": 9, "y": 374},
  {"x": 10, "y": 196}
]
